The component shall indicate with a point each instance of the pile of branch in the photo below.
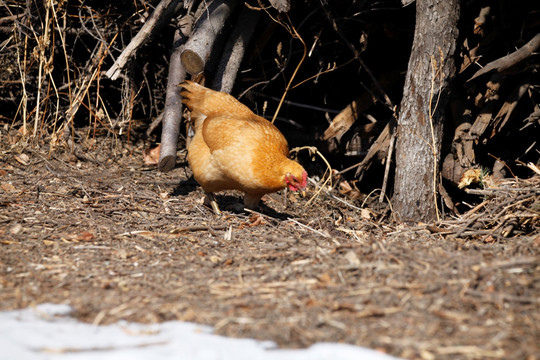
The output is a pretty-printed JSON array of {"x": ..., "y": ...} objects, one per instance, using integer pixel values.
[
  {"x": 510, "y": 209},
  {"x": 503, "y": 103},
  {"x": 495, "y": 111},
  {"x": 196, "y": 51}
]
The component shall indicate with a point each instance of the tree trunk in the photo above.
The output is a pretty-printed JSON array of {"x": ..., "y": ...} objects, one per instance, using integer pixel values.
[{"x": 420, "y": 124}]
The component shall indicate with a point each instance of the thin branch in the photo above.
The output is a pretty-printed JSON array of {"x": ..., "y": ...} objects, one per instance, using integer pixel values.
[{"x": 161, "y": 15}]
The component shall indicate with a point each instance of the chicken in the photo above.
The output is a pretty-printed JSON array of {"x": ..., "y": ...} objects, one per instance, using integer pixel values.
[{"x": 234, "y": 149}]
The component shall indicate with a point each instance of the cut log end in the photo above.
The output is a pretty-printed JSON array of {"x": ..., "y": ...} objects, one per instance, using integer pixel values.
[
  {"x": 167, "y": 163},
  {"x": 192, "y": 62},
  {"x": 113, "y": 72}
]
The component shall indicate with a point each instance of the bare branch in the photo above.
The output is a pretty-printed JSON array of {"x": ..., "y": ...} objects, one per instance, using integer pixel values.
[
  {"x": 161, "y": 15},
  {"x": 234, "y": 50},
  {"x": 512, "y": 59}
]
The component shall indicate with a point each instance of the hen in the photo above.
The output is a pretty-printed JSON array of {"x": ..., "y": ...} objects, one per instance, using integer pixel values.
[{"x": 234, "y": 149}]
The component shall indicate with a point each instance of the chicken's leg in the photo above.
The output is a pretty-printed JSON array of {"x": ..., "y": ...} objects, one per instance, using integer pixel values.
[{"x": 211, "y": 199}]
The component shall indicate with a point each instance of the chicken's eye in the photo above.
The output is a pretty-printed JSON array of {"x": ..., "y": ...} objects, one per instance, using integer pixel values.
[{"x": 291, "y": 180}]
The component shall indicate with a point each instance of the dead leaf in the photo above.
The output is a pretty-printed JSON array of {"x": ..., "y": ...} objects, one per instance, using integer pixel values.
[
  {"x": 151, "y": 156},
  {"x": 353, "y": 259},
  {"x": 7, "y": 187},
  {"x": 15, "y": 229},
  {"x": 365, "y": 213},
  {"x": 85, "y": 236},
  {"x": 341, "y": 306},
  {"x": 22, "y": 159},
  {"x": 122, "y": 254},
  {"x": 255, "y": 220},
  {"x": 23, "y": 131},
  {"x": 325, "y": 278},
  {"x": 344, "y": 187},
  {"x": 471, "y": 176},
  {"x": 292, "y": 197}
]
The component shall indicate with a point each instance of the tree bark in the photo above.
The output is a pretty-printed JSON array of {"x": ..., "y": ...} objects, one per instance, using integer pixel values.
[{"x": 420, "y": 124}]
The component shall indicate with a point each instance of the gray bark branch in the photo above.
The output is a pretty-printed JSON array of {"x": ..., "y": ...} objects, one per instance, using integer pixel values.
[
  {"x": 172, "y": 113},
  {"x": 511, "y": 59},
  {"x": 234, "y": 50}
]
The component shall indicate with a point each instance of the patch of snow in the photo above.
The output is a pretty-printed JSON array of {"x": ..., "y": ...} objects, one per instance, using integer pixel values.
[{"x": 47, "y": 332}]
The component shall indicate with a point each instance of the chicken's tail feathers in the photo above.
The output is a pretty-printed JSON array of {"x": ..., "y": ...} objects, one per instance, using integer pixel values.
[{"x": 200, "y": 99}]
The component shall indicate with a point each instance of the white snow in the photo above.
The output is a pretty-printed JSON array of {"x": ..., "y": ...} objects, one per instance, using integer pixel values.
[{"x": 47, "y": 332}]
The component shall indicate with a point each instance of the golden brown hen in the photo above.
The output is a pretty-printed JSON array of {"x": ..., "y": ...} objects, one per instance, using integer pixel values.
[{"x": 234, "y": 149}]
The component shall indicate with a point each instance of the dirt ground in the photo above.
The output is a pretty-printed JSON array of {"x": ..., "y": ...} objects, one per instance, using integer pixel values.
[{"x": 118, "y": 240}]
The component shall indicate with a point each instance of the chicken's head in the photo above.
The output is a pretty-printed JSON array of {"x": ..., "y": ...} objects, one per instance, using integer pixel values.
[{"x": 296, "y": 182}]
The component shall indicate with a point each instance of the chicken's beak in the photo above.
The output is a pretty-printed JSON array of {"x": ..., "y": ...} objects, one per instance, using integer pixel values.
[{"x": 303, "y": 192}]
